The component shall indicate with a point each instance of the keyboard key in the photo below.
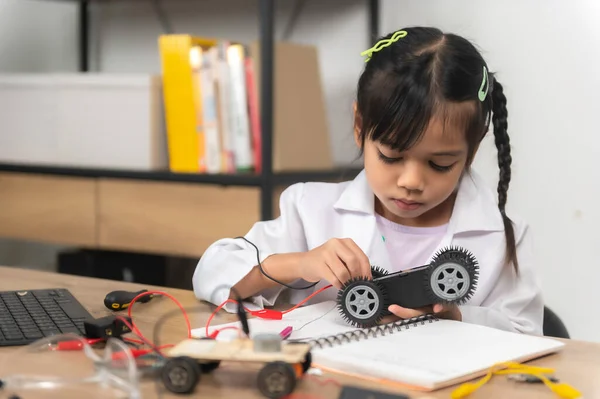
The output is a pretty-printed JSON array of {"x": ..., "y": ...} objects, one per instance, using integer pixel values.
[{"x": 26, "y": 316}]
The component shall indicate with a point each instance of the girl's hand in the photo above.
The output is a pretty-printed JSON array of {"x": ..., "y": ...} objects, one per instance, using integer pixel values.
[
  {"x": 451, "y": 312},
  {"x": 336, "y": 261}
]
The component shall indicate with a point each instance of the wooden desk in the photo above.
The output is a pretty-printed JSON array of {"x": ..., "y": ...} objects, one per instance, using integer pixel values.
[{"x": 578, "y": 364}]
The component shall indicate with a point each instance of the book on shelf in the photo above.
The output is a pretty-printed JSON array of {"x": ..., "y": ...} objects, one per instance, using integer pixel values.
[{"x": 212, "y": 107}]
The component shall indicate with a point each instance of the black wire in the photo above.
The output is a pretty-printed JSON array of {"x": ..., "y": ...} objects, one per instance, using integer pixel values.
[
  {"x": 162, "y": 17},
  {"x": 269, "y": 277},
  {"x": 298, "y": 6}
]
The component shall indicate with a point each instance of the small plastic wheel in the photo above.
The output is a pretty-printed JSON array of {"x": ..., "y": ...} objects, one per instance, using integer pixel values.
[
  {"x": 452, "y": 276},
  {"x": 307, "y": 362},
  {"x": 180, "y": 374},
  {"x": 276, "y": 380},
  {"x": 209, "y": 366},
  {"x": 362, "y": 302},
  {"x": 307, "y": 358}
]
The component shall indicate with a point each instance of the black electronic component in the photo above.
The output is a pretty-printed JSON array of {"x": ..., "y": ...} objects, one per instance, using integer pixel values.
[
  {"x": 107, "y": 327},
  {"x": 119, "y": 300},
  {"x": 351, "y": 392}
]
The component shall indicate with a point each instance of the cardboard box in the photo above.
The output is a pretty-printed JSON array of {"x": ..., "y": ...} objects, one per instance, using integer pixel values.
[{"x": 111, "y": 121}]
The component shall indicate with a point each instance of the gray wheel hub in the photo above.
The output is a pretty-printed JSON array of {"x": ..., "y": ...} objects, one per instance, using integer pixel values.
[
  {"x": 362, "y": 302},
  {"x": 450, "y": 281},
  {"x": 178, "y": 376}
]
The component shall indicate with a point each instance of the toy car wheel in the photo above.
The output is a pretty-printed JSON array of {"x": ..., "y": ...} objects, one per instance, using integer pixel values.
[
  {"x": 307, "y": 358},
  {"x": 452, "y": 277},
  {"x": 209, "y": 366},
  {"x": 276, "y": 380},
  {"x": 307, "y": 362},
  {"x": 377, "y": 272},
  {"x": 362, "y": 302},
  {"x": 180, "y": 374}
]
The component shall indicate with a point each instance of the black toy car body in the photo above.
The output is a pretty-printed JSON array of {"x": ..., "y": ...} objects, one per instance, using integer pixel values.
[{"x": 450, "y": 278}]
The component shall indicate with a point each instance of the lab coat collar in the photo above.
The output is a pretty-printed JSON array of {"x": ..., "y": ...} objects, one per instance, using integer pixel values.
[{"x": 475, "y": 209}]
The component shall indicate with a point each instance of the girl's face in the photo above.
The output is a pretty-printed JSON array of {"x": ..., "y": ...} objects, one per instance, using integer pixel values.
[{"x": 417, "y": 187}]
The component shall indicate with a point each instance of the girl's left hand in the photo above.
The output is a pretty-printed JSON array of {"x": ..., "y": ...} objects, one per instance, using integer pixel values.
[{"x": 451, "y": 312}]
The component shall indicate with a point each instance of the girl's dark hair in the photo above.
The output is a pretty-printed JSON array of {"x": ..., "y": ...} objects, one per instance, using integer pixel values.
[{"x": 429, "y": 74}]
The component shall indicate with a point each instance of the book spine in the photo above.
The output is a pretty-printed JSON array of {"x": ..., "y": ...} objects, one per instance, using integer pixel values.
[
  {"x": 253, "y": 113},
  {"x": 239, "y": 108},
  {"x": 209, "y": 108}
]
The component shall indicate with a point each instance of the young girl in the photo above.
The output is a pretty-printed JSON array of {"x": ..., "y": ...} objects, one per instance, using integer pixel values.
[{"x": 424, "y": 103}]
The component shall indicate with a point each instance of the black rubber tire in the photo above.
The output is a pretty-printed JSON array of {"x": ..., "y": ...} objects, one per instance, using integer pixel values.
[
  {"x": 374, "y": 293},
  {"x": 276, "y": 380},
  {"x": 307, "y": 362},
  {"x": 307, "y": 359},
  {"x": 209, "y": 366},
  {"x": 465, "y": 268},
  {"x": 180, "y": 374}
]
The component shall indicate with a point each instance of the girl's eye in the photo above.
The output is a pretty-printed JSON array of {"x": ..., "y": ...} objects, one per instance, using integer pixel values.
[
  {"x": 387, "y": 159},
  {"x": 441, "y": 168}
]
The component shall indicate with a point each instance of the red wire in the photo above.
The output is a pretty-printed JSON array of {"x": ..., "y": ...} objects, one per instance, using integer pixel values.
[
  {"x": 307, "y": 299},
  {"x": 137, "y": 332},
  {"x": 258, "y": 314},
  {"x": 144, "y": 340}
]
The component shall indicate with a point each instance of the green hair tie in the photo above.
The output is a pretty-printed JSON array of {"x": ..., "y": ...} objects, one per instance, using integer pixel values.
[
  {"x": 383, "y": 43},
  {"x": 485, "y": 82}
]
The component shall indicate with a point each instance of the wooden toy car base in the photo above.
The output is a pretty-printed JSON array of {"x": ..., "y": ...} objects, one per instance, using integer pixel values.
[
  {"x": 284, "y": 363},
  {"x": 239, "y": 350}
]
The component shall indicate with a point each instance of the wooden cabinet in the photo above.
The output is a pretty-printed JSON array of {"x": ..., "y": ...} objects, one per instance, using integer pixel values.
[
  {"x": 174, "y": 218},
  {"x": 177, "y": 218},
  {"x": 54, "y": 209}
]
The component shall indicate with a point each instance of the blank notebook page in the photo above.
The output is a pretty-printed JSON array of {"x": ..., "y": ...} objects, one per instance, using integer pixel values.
[{"x": 434, "y": 354}]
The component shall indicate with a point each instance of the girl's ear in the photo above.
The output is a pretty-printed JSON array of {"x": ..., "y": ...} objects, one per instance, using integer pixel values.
[{"x": 357, "y": 126}]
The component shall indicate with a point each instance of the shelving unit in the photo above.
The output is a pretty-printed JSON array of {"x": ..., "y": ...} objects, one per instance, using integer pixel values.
[
  {"x": 268, "y": 180},
  {"x": 132, "y": 213}
]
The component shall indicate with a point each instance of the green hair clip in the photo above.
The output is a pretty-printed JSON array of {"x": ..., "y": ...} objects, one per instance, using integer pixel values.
[
  {"x": 485, "y": 82},
  {"x": 383, "y": 43}
]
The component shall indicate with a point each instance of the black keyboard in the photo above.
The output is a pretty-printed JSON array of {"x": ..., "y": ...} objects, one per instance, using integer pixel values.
[{"x": 27, "y": 316}]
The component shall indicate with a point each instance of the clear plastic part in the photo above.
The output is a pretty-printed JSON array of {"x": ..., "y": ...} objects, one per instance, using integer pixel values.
[{"x": 67, "y": 366}]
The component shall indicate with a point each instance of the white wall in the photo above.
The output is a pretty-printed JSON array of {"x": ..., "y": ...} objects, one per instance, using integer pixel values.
[
  {"x": 38, "y": 36},
  {"x": 545, "y": 53}
]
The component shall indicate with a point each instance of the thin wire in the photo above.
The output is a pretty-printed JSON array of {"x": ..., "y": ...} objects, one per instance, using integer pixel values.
[{"x": 269, "y": 277}]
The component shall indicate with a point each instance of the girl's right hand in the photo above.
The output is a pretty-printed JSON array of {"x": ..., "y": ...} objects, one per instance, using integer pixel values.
[{"x": 337, "y": 261}]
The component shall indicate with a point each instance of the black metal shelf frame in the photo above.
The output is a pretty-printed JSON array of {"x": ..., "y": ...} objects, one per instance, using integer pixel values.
[{"x": 267, "y": 180}]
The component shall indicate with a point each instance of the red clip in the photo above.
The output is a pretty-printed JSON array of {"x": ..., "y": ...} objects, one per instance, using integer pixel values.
[{"x": 267, "y": 314}]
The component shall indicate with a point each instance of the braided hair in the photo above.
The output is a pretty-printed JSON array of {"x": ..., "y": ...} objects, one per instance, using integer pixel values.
[
  {"x": 502, "y": 141},
  {"x": 419, "y": 73}
]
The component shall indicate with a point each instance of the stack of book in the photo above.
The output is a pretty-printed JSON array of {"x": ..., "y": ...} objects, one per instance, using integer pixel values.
[{"x": 212, "y": 107}]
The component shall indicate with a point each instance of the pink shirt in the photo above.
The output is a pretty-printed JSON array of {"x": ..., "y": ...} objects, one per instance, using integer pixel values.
[{"x": 409, "y": 247}]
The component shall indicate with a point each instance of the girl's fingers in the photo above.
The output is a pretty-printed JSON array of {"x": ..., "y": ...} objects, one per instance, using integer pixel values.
[
  {"x": 405, "y": 313},
  {"x": 330, "y": 276},
  {"x": 439, "y": 308},
  {"x": 338, "y": 268},
  {"x": 363, "y": 265},
  {"x": 349, "y": 259}
]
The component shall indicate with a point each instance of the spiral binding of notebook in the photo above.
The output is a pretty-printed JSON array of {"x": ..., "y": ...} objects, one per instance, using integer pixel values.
[{"x": 372, "y": 332}]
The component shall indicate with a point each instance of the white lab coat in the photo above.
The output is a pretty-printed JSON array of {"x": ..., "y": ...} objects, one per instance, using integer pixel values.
[{"x": 312, "y": 213}]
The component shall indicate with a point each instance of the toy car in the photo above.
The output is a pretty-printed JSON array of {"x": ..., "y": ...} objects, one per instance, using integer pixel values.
[
  {"x": 284, "y": 362},
  {"x": 450, "y": 278}
]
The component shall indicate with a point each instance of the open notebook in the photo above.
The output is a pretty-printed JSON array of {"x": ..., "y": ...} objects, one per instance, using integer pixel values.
[{"x": 423, "y": 353}]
